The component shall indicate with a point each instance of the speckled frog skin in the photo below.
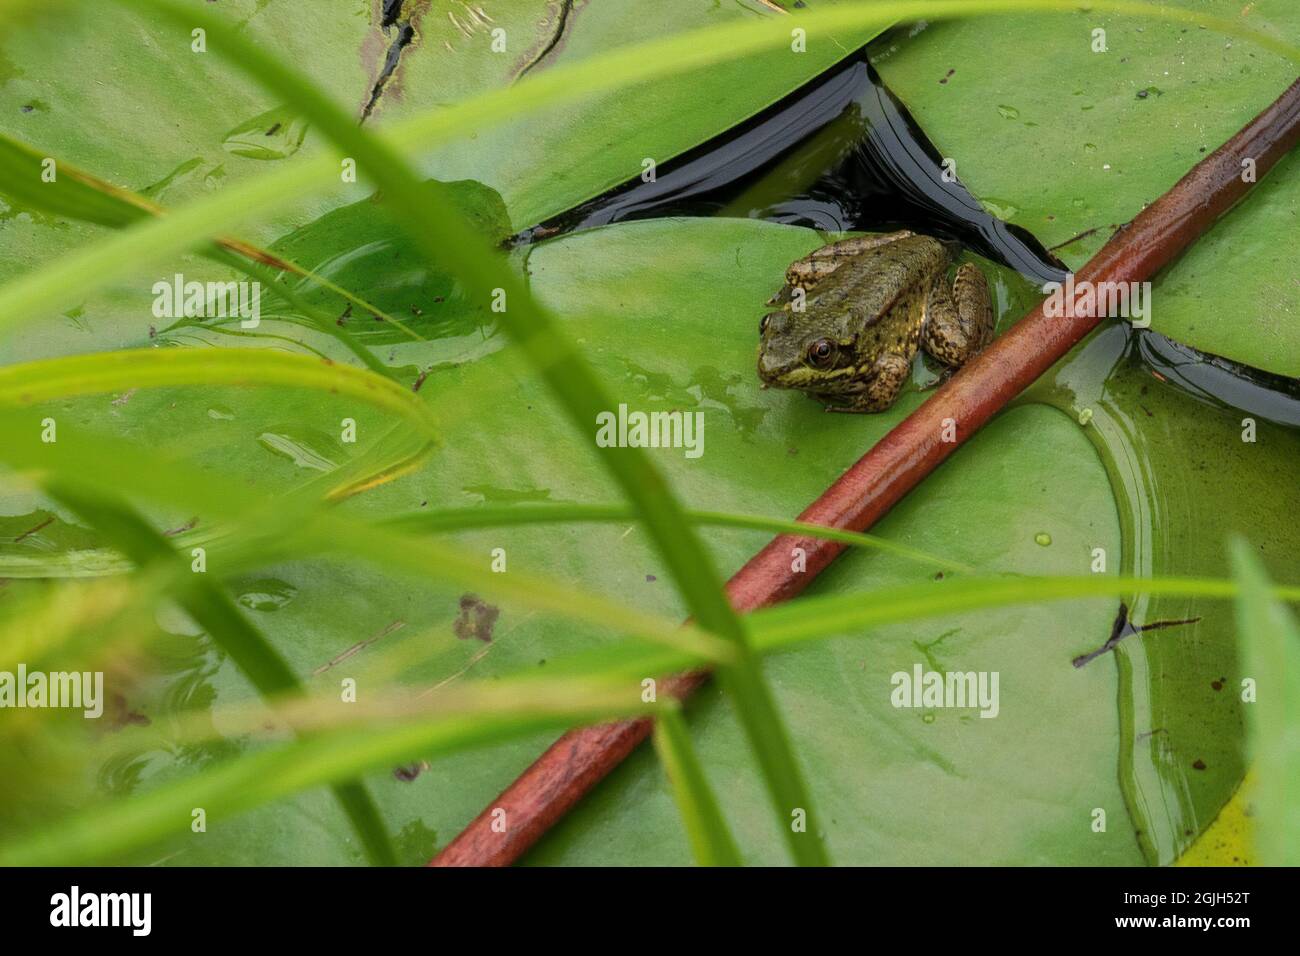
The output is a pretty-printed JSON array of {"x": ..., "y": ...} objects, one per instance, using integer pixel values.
[{"x": 868, "y": 304}]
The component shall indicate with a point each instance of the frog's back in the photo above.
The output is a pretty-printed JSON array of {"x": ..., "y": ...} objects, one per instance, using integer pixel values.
[{"x": 893, "y": 275}]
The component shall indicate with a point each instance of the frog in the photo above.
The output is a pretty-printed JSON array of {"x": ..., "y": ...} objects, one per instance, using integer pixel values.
[{"x": 853, "y": 314}]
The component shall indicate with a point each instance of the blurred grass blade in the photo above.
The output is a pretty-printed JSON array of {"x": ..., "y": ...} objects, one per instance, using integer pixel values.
[
  {"x": 711, "y": 840},
  {"x": 36, "y": 627},
  {"x": 213, "y": 610},
  {"x": 818, "y": 617},
  {"x": 123, "y": 370},
  {"x": 462, "y": 519},
  {"x": 107, "y": 832},
  {"x": 76, "y": 194},
  {"x": 285, "y": 525},
  {"x": 60, "y": 378},
  {"x": 72, "y": 193},
  {"x": 435, "y": 226},
  {"x": 1270, "y": 641},
  {"x": 515, "y": 709},
  {"x": 319, "y": 320},
  {"x": 807, "y": 619}
]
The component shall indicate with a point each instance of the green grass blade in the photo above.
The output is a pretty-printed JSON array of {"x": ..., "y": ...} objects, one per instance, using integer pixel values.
[
  {"x": 76, "y": 194},
  {"x": 104, "y": 833},
  {"x": 706, "y": 829},
  {"x": 788, "y": 626},
  {"x": 441, "y": 520},
  {"x": 514, "y": 704},
  {"x": 78, "y": 375},
  {"x": 320, "y": 321},
  {"x": 73, "y": 193},
  {"x": 278, "y": 525},
  {"x": 435, "y": 227},
  {"x": 1270, "y": 641},
  {"x": 146, "y": 368},
  {"x": 35, "y": 629},
  {"x": 816, "y": 618},
  {"x": 213, "y": 610},
  {"x": 463, "y": 519}
]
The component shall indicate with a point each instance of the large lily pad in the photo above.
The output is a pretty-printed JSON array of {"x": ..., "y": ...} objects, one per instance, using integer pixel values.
[
  {"x": 1033, "y": 775},
  {"x": 1071, "y": 143},
  {"x": 193, "y": 123},
  {"x": 667, "y": 312}
]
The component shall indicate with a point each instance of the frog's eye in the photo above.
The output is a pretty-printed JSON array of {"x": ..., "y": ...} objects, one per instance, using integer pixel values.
[{"x": 821, "y": 353}]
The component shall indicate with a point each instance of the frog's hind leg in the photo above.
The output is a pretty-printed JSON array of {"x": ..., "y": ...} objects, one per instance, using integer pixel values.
[
  {"x": 890, "y": 374},
  {"x": 958, "y": 323},
  {"x": 817, "y": 265}
]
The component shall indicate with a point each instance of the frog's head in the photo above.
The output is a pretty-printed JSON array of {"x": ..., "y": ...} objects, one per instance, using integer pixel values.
[{"x": 796, "y": 352}]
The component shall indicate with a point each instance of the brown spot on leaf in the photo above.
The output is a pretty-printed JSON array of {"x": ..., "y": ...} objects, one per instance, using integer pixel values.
[
  {"x": 1198, "y": 764},
  {"x": 477, "y": 618}
]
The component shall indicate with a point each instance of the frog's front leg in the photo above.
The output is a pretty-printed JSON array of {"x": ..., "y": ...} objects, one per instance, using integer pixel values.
[
  {"x": 821, "y": 262},
  {"x": 890, "y": 373},
  {"x": 959, "y": 323}
]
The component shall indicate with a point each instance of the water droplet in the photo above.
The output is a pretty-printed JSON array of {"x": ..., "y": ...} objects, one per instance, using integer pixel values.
[
  {"x": 927, "y": 718},
  {"x": 1090, "y": 147},
  {"x": 494, "y": 495},
  {"x": 1009, "y": 112},
  {"x": 1043, "y": 539},
  {"x": 302, "y": 452},
  {"x": 220, "y": 413},
  {"x": 267, "y": 594}
]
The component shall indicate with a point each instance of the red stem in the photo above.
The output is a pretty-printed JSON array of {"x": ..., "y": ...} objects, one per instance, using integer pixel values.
[{"x": 561, "y": 776}]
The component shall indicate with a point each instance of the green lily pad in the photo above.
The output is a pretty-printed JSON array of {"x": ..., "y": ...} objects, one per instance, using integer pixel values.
[
  {"x": 875, "y": 770},
  {"x": 604, "y": 140},
  {"x": 893, "y": 785},
  {"x": 1072, "y": 143},
  {"x": 667, "y": 312},
  {"x": 161, "y": 132}
]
